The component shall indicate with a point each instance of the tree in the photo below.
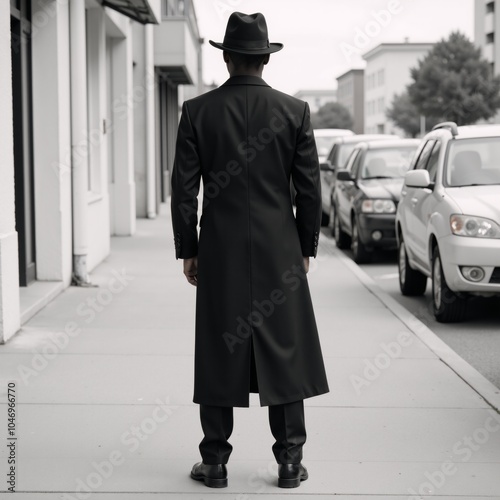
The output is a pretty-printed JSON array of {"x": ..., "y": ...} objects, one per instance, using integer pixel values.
[
  {"x": 455, "y": 83},
  {"x": 332, "y": 115},
  {"x": 406, "y": 116}
]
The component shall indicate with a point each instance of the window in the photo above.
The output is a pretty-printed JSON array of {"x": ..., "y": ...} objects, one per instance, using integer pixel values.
[
  {"x": 345, "y": 151},
  {"x": 490, "y": 7},
  {"x": 432, "y": 164},
  {"x": 424, "y": 155},
  {"x": 370, "y": 81},
  {"x": 171, "y": 8},
  {"x": 387, "y": 162},
  {"x": 333, "y": 154},
  {"x": 490, "y": 37},
  {"x": 381, "y": 77},
  {"x": 380, "y": 104},
  {"x": 354, "y": 167},
  {"x": 473, "y": 162},
  {"x": 353, "y": 158}
]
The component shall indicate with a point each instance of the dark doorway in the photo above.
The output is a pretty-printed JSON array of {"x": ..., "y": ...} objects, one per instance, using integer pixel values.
[{"x": 20, "y": 27}]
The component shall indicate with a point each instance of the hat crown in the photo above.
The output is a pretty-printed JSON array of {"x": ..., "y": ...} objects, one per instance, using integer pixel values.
[
  {"x": 247, "y": 34},
  {"x": 244, "y": 29}
]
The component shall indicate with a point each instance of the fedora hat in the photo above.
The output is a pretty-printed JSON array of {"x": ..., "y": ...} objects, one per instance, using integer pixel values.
[{"x": 247, "y": 34}]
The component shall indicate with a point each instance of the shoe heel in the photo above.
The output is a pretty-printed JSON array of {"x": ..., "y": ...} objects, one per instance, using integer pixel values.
[
  {"x": 289, "y": 483},
  {"x": 215, "y": 483}
]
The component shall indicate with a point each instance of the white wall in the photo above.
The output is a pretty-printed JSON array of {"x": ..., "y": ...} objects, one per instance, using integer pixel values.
[
  {"x": 98, "y": 196},
  {"x": 52, "y": 142},
  {"x": 143, "y": 92},
  {"x": 9, "y": 279},
  {"x": 121, "y": 134}
]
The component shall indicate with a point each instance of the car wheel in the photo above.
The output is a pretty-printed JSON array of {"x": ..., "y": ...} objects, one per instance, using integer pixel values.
[
  {"x": 448, "y": 306},
  {"x": 359, "y": 250},
  {"x": 342, "y": 239},
  {"x": 411, "y": 282},
  {"x": 325, "y": 219}
]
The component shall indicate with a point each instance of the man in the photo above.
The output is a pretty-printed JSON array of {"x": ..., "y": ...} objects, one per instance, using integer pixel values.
[{"x": 255, "y": 325}]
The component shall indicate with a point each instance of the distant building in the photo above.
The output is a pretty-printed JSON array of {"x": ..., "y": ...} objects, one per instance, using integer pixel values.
[
  {"x": 487, "y": 37},
  {"x": 351, "y": 94},
  {"x": 487, "y": 31},
  {"x": 317, "y": 98},
  {"x": 387, "y": 73}
]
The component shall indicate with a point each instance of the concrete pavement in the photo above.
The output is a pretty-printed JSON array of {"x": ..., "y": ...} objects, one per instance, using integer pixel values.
[{"x": 104, "y": 395}]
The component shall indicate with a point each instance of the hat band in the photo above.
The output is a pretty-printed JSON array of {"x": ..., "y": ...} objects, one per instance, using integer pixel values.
[{"x": 245, "y": 44}]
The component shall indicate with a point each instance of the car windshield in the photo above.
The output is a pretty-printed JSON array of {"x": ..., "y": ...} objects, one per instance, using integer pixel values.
[
  {"x": 387, "y": 162},
  {"x": 473, "y": 162},
  {"x": 324, "y": 144}
]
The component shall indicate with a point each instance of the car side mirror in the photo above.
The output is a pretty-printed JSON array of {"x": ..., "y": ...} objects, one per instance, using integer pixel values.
[
  {"x": 418, "y": 179},
  {"x": 344, "y": 175},
  {"x": 326, "y": 166}
]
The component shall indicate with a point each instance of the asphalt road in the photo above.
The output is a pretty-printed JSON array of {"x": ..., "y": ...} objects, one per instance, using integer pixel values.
[{"x": 477, "y": 339}]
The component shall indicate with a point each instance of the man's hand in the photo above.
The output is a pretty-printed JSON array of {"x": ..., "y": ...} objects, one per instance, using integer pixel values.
[
  {"x": 191, "y": 270},
  {"x": 306, "y": 264}
]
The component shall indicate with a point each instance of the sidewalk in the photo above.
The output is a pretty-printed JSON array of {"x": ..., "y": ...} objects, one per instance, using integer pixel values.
[{"x": 104, "y": 396}]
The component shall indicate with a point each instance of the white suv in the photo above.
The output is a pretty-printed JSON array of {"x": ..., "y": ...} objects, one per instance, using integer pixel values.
[{"x": 448, "y": 219}]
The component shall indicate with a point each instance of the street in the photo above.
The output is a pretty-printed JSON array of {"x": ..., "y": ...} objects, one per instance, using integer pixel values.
[{"x": 477, "y": 339}]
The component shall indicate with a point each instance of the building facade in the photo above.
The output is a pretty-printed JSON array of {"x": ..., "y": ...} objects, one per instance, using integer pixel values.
[
  {"x": 89, "y": 112},
  {"x": 351, "y": 94},
  {"x": 317, "y": 98},
  {"x": 387, "y": 73},
  {"x": 487, "y": 31}
]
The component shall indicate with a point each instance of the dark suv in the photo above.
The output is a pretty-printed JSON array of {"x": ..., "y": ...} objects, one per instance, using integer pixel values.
[
  {"x": 337, "y": 158},
  {"x": 366, "y": 195}
]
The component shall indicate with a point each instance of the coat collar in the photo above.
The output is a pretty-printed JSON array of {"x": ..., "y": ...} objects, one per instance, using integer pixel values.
[{"x": 246, "y": 80}]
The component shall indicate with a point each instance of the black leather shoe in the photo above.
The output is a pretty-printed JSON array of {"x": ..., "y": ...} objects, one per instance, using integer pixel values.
[
  {"x": 290, "y": 475},
  {"x": 214, "y": 476}
]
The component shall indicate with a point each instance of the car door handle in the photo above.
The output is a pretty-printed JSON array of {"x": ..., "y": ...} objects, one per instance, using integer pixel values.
[
  {"x": 403, "y": 193},
  {"x": 414, "y": 200}
]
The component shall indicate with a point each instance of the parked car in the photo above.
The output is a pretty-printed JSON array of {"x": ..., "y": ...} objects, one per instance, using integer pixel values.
[
  {"x": 325, "y": 138},
  {"x": 340, "y": 151},
  {"x": 366, "y": 195},
  {"x": 448, "y": 220}
]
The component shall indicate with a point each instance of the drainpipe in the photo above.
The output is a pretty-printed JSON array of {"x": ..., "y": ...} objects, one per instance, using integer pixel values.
[
  {"x": 149, "y": 82},
  {"x": 79, "y": 142}
]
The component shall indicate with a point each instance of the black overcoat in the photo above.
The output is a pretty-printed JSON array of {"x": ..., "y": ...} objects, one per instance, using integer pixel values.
[{"x": 255, "y": 324}]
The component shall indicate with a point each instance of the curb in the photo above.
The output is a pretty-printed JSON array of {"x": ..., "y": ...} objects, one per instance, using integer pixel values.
[{"x": 489, "y": 392}]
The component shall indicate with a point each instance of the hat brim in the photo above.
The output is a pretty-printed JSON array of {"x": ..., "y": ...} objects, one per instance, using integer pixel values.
[{"x": 273, "y": 47}]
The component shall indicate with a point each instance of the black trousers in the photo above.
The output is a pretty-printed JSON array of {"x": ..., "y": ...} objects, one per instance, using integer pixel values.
[{"x": 287, "y": 426}]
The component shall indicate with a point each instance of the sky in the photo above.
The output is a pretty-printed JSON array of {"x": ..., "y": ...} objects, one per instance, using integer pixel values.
[{"x": 325, "y": 38}]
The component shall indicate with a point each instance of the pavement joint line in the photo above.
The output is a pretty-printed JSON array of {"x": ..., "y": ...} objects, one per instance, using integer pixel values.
[
  {"x": 30, "y": 353},
  {"x": 276, "y": 493},
  {"x": 190, "y": 405},
  {"x": 480, "y": 384}
]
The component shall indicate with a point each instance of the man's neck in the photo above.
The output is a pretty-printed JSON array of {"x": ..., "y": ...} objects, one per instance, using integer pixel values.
[{"x": 246, "y": 73}]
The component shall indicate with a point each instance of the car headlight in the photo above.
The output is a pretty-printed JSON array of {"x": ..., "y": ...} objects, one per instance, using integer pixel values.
[
  {"x": 378, "y": 207},
  {"x": 475, "y": 227}
]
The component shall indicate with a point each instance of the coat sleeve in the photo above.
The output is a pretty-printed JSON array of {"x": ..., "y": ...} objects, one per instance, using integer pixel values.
[
  {"x": 186, "y": 175},
  {"x": 305, "y": 178}
]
